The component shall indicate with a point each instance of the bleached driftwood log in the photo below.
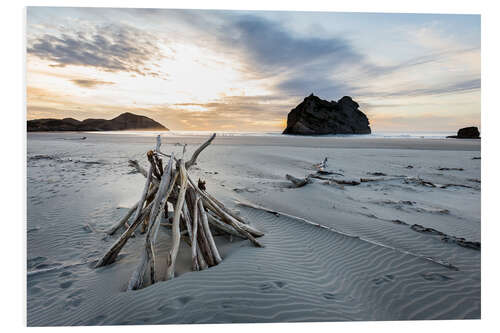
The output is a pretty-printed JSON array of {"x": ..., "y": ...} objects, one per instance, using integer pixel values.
[
  {"x": 176, "y": 237},
  {"x": 197, "y": 152},
  {"x": 194, "y": 242},
  {"x": 206, "y": 231},
  {"x": 298, "y": 182},
  {"x": 197, "y": 214}
]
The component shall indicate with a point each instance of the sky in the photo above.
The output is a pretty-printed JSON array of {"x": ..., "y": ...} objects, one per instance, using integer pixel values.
[{"x": 245, "y": 70}]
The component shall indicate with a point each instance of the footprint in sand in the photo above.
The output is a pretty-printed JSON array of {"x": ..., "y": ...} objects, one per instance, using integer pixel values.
[
  {"x": 228, "y": 305},
  {"x": 336, "y": 297},
  {"x": 66, "y": 284},
  {"x": 331, "y": 296},
  {"x": 384, "y": 279},
  {"x": 435, "y": 277},
  {"x": 45, "y": 265},
  {"x": 32, "y": 262},
  {"x": 35, "y": 290},
  {"x": 96, "y": 320},
  {"x": 74, "y": 299},
  {"x": 175, "y": 304},
  {"x": 50, "y": 301},
  {"x": 270, "y": 286},
  {"x": 76, "y": 293},
  {"x": 180, "y": 302},
  {"x": 63, "y": 274},
  {"x": 73, "y": 303},
  {"x": 165, "y": 308}
]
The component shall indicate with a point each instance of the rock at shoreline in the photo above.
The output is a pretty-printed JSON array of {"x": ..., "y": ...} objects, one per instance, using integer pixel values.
[
  {"x": 466, "y": 133},
  {"x": 315, "y": 116},
  {"x": 125, "y": 121}
]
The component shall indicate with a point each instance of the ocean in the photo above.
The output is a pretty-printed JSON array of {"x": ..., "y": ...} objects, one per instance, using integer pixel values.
[{"x": 376, "y": 135}]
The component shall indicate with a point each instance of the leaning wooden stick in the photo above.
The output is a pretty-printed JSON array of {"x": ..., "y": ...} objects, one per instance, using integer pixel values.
[
  {"x": 172, "y": 256},
  {"x": 148, "y": 257},
  {"x": 115, "y": 249},
  {"x": 131, "y": 211},
  {"x": 124, "y": 220},
  {"x": 144, "y": 193},
  {"x": 222, "y": 226},
  {"x": 194, "y": 243},
  {"x": 206, "y": 230},
  {"x": 227, "y": 210},
  {"x": 192, "y": 205},
  {"x": 197, "y": 152},
  {"x": 226, "y": 217}
]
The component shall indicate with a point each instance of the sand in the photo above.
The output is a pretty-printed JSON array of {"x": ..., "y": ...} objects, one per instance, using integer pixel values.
[{"x": 361, "y": 266}]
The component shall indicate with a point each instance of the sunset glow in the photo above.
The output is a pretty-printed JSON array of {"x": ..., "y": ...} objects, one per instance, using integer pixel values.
[{"x": 244, "y": 71}]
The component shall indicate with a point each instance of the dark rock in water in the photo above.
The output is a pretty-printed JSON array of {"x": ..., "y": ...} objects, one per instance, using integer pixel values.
[
  {"x": 125, "y": 121},
  {"x": 466, "y": 133},
  {"x": 315, "y": 116}
]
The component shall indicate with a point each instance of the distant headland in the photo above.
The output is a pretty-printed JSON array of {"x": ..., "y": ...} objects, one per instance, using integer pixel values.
[
  {"x": 125, "y": 121},
  {"x": 315, "y": 116},
  {"x": 466, "y": 133}
]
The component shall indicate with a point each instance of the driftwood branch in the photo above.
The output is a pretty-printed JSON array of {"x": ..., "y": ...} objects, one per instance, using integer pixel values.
[
  {"x": 206, "y": 230},
  {"x": 172, "y": 256},
  {"x": 194, "y": 243},
  {"x": 115, "y": 249},
  {"x": 124, "y": 220},
  {"x": 144, "y": 192},
  {"x": 222, "y": 226},
  {"x": 298, "y": 182},
  {"x": 197, "y": 152}
]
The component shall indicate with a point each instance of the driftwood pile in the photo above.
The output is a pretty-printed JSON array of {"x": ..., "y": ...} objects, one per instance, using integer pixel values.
[{"x": 196, "y": 216}]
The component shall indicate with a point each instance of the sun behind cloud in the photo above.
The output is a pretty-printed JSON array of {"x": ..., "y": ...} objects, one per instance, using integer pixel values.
[{"x": 212, "y": 70}]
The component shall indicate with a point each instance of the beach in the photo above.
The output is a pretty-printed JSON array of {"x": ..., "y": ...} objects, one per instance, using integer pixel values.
[{"x": 398, "y": 246}]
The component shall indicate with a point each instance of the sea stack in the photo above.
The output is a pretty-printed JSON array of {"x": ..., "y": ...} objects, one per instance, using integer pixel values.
[
  {"x": 315, "y": 116},
  {"x": 466, "y": 133}
]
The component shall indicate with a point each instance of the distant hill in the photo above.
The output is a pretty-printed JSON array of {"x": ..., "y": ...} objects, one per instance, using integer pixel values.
[{"x": 125, "y": 121}]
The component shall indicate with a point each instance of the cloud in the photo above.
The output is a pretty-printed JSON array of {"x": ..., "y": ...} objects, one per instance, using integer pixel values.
[
  {"x": 442, "y": 57},
  {"x": 90, "y": 83},
  {"x": 332, "y": 66},
  {"x": 238, "y": 113},
  {"x": 251, "y": 107},
  {"x": 457, "y": 87},
  {"x": 112, "y": 48},
  {"x": 271, "y": 47},
  {"x": 300, "y": 65}
]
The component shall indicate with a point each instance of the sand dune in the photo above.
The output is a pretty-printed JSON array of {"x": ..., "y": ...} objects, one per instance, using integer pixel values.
[{"x": 362, "y": 265}]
